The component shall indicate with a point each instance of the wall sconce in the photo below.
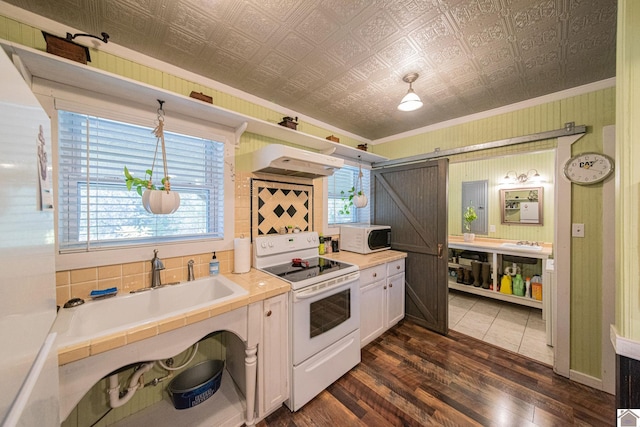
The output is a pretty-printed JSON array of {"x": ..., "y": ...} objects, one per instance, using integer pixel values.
[{"x": 512, "y": 177}]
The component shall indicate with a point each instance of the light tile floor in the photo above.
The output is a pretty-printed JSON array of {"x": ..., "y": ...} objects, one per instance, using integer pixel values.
[{"x": 510, "y": 326}]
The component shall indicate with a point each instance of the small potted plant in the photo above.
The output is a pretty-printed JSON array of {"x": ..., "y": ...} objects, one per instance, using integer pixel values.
[
  {"x": 159, "y": 201},
  {"x": 355, "y": 198},
  {"x": 156, "y": 200},
  {"x": 469, "y": 216}
]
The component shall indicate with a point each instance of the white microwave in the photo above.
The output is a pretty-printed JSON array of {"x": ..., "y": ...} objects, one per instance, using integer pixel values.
[{"x": 365, "y": 238}]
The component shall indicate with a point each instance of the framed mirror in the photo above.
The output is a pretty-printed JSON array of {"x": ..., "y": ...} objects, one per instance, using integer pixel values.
[{"x": 522, "y": 206}]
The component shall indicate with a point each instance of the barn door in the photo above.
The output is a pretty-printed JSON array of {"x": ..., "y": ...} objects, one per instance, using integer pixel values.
[{"x": 413, "y": 200}]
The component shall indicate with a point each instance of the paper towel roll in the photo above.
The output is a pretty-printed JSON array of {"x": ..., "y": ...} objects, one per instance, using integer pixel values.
[{"x": 241, "y": 255}]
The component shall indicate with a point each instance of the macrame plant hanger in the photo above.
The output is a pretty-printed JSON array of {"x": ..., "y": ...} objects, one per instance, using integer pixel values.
[
  {"x": 359, "y": 198},
  {"x": 162, "y": 201}
]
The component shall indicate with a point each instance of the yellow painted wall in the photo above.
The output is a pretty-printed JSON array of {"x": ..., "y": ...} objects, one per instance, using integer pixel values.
[
  {"x": 596, "y": 110},
  {"x": 628, "y": 174},
  {"x": 494, "y": 169}
]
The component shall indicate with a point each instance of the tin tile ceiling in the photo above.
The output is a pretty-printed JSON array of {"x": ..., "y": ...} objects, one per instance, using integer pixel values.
[{"x": 342, "y": 61}]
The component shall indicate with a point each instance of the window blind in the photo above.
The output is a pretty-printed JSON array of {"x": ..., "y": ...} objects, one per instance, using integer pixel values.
[
  {"x": 95, "y": 208},
  {"x": 339, "y": 186}
]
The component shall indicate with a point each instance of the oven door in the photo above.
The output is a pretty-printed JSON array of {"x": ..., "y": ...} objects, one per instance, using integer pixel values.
[{"x": 324, "y": 313}]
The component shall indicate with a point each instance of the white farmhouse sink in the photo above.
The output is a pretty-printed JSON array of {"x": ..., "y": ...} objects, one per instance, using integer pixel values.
[
  {"x": 521, "y": 247},
  {"x": 122, "y": 312}
]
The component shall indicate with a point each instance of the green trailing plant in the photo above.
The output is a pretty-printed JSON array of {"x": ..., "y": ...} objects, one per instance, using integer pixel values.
[
  {"x": 141, "y": 184},
  {"x": 469, "y": 216},
  {"x": 347, "y": 200}
]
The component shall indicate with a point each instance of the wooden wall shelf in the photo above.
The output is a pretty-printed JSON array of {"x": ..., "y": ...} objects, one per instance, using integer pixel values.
[{"x": 35, "y": 64}]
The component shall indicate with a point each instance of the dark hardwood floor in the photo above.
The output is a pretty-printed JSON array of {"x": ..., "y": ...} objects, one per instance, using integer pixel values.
[{"x": 413, "y": 377}]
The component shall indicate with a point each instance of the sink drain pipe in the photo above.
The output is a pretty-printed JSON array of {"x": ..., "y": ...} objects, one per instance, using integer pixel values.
[{"x": 115, "y": 400}]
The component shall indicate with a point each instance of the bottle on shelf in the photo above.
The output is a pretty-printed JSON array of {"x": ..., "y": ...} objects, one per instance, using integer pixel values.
[
  {"x": 505, "y": 284},
  {"x": 518, "y": 286},
  {"x": 214, "y": 266}
]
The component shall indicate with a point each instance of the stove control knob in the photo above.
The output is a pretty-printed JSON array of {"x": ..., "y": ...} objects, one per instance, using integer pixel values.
[
  {"x": 263, "y": 244},
  {"x": 270, "y": 244}
]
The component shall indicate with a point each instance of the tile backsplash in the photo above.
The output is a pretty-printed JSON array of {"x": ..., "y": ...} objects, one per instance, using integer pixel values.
[
  {"x": 276, "y": 205},
  {"x": 299, "y": 199}
]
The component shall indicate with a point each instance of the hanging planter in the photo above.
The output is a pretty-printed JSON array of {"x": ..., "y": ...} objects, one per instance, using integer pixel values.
[
  {"x": 159, "y": 201},
  {"x": 359, "y": 198}
]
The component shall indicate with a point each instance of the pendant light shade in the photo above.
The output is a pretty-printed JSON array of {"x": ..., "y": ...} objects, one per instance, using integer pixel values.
[{"x": 411, "y": 100}]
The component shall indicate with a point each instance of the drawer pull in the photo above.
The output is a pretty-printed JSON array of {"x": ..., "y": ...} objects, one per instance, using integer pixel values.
[
  {"x": 391, "y": 285},
  {"x": 375, "y": 274},
  {"x": 397, "y": 267},
  {"x": 268, "y": 313}
]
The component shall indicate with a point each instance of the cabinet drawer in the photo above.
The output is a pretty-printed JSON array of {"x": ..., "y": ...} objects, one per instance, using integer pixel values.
[
  {"x": 395, "y": 267},
  {"x": 373, "y": 274}
]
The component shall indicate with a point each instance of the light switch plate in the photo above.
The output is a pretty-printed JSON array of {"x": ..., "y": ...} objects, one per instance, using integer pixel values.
[
  {"x": 577, "y": 230},
  {"x": 492, "y": 229}
]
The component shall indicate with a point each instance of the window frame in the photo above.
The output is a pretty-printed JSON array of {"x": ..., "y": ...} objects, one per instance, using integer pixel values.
[
  {"x": 54, "y": 96},
  {"x": 334, "y": 229}
]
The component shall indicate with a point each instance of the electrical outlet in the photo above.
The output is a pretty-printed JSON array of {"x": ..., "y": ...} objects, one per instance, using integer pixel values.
[
  {"x": 577, "y": 230},
  {"x": 492, "y": 229}
]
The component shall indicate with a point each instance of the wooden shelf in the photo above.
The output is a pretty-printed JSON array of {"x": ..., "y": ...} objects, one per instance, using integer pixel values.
[{"x": 35, "y": 64}]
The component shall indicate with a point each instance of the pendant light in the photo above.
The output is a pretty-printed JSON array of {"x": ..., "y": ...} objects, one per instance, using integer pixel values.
[{"x": 411, "y": 100}]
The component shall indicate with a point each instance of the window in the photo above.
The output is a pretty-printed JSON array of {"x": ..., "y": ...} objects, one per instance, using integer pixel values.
[
  {"x": 95, "y": 208},
  {"x": 338, "y": 191}
]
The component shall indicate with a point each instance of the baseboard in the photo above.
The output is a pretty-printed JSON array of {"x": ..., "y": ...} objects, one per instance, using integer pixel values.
[
  {"x": 585, "y": 379},
  {"x": 624, "y": 346}
]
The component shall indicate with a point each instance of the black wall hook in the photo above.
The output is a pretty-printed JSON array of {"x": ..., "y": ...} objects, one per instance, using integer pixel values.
[{"x": 104, "y": 39}]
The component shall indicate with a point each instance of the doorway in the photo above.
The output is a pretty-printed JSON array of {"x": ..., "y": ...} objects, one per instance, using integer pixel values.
[{"x": 517, "y": 328}]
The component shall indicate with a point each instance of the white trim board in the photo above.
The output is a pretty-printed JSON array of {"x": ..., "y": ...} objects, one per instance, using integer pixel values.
[
  {"x": 588, "y": 380},
  {"x": 579, "y": 90},
  {"x": 624, "y": 346}
]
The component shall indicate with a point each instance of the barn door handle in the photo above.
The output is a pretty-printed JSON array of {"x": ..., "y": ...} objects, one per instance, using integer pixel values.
[{"x": 440, "y": 248}]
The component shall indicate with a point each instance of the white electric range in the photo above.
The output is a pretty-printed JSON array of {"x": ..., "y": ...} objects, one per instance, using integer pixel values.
[{"x": 324, "y": 315}]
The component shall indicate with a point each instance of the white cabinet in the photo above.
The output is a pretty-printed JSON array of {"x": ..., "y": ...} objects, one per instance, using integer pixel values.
[
  {"x": 273, "y": 378},
  {"x": 381, "y": 299},
  {"x": 372, "y": 303},
  {"x": 395, "y": 292}
]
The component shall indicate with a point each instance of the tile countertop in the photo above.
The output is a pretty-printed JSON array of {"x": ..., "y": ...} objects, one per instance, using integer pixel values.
[
  {"x": 366, "y": 261},
  {"x": 496, "y": 245},
  {"x": 260, "y": 286}
]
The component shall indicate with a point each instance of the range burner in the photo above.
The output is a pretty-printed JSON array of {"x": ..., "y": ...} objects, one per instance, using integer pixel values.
[
  {"x": 298, "y": 270},
  {"x": 294, "y": 258}
]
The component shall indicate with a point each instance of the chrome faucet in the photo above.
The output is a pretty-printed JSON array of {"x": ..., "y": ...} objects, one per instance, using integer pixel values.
[
  {"x": 156, "y": 266},
  {"x": 190, "y": 271}
]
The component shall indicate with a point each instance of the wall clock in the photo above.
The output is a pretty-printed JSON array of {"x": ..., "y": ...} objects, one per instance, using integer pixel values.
[{"x": 588, "y": 168}]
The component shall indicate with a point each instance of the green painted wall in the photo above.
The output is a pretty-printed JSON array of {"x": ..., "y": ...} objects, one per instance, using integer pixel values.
[
  {"x": 628, "y": 175},
  {"x": 595, "y": 109}
]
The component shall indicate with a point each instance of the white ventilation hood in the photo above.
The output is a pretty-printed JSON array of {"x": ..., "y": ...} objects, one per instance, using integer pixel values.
[{"x": 284, "y": 160}]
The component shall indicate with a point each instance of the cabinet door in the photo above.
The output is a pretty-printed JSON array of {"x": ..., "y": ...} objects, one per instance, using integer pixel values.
[
  {"x": 395, "y": 299},
  {"x": 372, "y": 310},
  {"x": 275, "y": 353}
]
